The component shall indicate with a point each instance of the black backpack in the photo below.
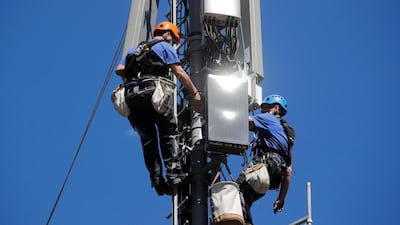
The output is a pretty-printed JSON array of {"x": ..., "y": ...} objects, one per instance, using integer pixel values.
[
  {"x": 144, "y": 61},
  {"x": 289, "y": 131}
]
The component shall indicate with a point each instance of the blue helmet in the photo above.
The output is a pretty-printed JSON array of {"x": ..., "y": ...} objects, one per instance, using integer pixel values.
[{"x": 272, "y": 99}]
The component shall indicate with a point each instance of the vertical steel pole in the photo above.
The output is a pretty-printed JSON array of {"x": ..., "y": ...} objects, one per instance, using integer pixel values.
[
  {"x": 199, "y": 183},
  {"x": 175, "y": 220},
  {"x": 309, "y": 214},
  {"x": 173, "y": 20},
  {"x": 307, "y": 219}
]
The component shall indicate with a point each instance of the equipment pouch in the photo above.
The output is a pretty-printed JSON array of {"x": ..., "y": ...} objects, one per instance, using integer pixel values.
[
  {"x": 257, "y": 176},
  {"x": 275, "y": 173},
  {"x": 118, "y": 100},
  {"x": 226, "y": 207},
  {"x": 162, "y": 94}
]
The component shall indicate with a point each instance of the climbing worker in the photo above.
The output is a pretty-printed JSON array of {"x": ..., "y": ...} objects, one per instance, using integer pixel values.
[
  {"x": 157, "y": 131},
  {"x": 272, "y": 148}
]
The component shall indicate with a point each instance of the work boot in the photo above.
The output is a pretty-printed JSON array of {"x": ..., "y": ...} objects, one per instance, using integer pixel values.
[
  {"x": 174, "y": 176},
  {"x": 161, "y": 187}
]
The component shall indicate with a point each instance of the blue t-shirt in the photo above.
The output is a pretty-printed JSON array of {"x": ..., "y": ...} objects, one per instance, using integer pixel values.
[
  {"x": 270, "y": 133},
  {"x": 164, "y": 50}
]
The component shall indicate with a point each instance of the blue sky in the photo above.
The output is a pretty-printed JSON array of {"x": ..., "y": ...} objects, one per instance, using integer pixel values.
[{"x": 336, "y": 62}]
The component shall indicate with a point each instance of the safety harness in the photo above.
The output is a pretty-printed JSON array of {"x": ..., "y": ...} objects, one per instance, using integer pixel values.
[{"x": 144, "y": 62}]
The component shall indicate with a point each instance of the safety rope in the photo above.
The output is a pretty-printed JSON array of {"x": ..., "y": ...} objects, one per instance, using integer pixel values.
[{"x": 96, "y": 106}]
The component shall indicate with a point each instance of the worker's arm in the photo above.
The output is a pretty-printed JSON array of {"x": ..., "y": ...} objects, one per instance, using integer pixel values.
[
  {"x": 185, "y": 80},
  {"x": 252, "y": 126},
  {"x": 280, "y": 202}
]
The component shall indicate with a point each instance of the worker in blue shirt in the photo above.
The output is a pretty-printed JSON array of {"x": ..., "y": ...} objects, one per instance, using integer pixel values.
[{"x": 272, "y": 148}]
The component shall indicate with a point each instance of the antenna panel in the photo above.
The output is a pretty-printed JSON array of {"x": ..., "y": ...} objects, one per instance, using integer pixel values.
[
  {"x": 227, "y": 106},
  {"x": 221, "y": 12}
]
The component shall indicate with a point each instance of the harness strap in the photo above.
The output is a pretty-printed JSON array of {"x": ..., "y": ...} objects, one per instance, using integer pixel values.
[
  {"x": 270, "y": 156},
  {"x": 260, "y": 151}
]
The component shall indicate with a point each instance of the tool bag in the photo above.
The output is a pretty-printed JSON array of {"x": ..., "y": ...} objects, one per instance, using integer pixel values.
[
  {"x": 118, "y": 100},
  {"x": 226, "y": 207},
  {"x": 162, "y": 94},
  {"x": 256, "y": 176}
]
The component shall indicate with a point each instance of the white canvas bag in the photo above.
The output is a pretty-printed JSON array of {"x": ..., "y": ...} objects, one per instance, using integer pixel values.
[
  {"x": 226, "y": 206},
  {"x": 256, "y": 175},
  {"x": 162, "y": 94},
  {"x": 118, "y": 100}
]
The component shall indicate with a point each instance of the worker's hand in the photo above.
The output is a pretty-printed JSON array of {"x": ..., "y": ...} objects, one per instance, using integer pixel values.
[
  {"x": 120, "y": 70},
  {"x": 252, "y": 126},
  {"x": 278, "y": 205},
  {"x": 196, "y": 103}
]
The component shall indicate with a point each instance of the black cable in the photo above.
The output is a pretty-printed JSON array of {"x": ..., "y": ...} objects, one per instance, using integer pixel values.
[{"x": 96, "y": 106}]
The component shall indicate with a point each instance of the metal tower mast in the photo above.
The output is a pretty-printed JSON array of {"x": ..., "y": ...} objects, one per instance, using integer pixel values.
[
  {"x": 199, "y": 179},
  {"x": 213, "y": 52}
]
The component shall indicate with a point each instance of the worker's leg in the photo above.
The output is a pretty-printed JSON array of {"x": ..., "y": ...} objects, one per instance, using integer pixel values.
[
  {"x": 167, "y": 128},
  {"x": 143, "y": 123}
]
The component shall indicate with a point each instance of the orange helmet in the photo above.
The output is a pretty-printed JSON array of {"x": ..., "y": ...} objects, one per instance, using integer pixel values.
[{"x": 168, "y": 26}]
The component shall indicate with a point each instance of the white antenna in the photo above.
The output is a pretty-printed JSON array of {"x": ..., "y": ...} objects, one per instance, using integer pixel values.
[{"x": 307, "y": 219}]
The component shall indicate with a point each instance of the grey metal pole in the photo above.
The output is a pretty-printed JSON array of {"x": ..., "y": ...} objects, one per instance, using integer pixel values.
[
  {"x": 307, "y": 219},
  {"x": 175, "y": 220},
  {"x": 199, "y": 184},
  {"x": 309, "y": 214}
]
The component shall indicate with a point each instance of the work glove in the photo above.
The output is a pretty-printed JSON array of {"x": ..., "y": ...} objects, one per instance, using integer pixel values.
[{"x": 278, "y": 205}]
